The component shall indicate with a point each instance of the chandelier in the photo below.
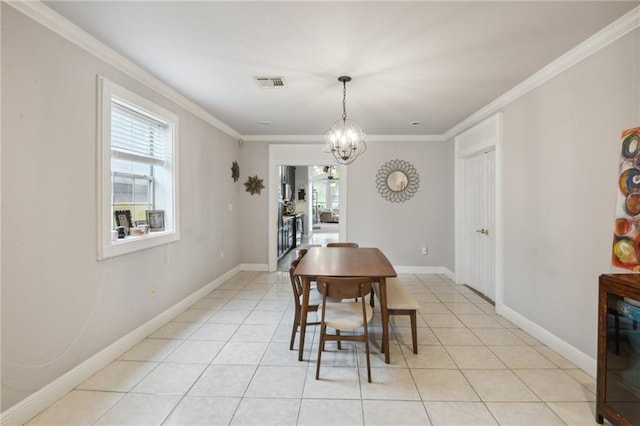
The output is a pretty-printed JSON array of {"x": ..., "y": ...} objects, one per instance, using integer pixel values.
[{"x": 345, "y": 139}]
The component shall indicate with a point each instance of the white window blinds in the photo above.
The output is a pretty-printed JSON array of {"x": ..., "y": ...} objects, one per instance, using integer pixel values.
[{"x": 138, "y": 137}]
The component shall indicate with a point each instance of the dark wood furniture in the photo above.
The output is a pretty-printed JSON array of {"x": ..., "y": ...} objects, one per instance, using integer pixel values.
[
  {"x": 345, "y": 262},
  {"x": 618, "y": 382}
]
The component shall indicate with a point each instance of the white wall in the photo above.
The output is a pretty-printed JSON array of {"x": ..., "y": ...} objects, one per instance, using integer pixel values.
[
  {"x": 253, "y": 211},
  {"x": 561, "y": 148},
  {"x": 59, "y": 305},
  {"x": 399, "y": 229}
]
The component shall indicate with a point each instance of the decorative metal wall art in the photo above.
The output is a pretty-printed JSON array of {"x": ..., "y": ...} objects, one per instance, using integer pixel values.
[
  {"x": 235, "y": 171},
  {"x": 254, "y": 185},
  {"x": 397, "y": 181}
]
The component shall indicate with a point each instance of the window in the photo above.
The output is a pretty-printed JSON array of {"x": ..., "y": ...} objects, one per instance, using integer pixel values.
[{"x": 137, "y": 168}]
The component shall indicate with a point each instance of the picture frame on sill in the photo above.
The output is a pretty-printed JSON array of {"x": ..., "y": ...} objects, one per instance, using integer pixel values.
[
  {"x": 123, "y": 218},
  {"x": 155, "y": 220}
]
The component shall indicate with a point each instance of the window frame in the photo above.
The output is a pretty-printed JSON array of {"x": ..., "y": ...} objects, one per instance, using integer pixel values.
[{"x": 107, "y": 247}]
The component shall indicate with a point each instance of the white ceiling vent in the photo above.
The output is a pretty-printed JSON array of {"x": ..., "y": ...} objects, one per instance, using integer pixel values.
[{"x": 270, "y": 82}]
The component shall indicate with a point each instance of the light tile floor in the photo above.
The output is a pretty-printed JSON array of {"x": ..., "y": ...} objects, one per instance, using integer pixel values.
[{"x": 226, "y": 361}]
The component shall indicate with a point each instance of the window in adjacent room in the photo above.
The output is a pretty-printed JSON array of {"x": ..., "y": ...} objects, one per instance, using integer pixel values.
[{"x": 137, "y": 168}]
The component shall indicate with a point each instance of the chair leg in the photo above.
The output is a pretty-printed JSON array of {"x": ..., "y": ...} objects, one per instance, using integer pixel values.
[
  {"x": 294, "y": 330},
  {"x": 414, "y": 331},
  {"x": 366, "y": 346},
  {"x": 339, "y": 341},
  {"x": 323, "y": 329},
  {"x": 372, "y": 299}
]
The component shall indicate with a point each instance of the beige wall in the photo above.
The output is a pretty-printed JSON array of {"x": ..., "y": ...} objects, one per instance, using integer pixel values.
[
  {"x": 399, "y": 229},
  {"x": 561, "y": 149},
  {"x": 59, "y": 305}
]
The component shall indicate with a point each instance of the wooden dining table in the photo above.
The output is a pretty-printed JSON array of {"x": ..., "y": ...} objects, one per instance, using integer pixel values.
[{"x": 345, "y": 262}]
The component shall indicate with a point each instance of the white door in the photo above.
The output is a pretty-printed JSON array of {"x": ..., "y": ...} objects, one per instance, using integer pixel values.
[{"x": 480, "y": 222}]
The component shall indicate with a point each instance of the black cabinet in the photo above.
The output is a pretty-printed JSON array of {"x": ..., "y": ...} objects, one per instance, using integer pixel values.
[
  {"x": 290, "y": 233},
  {"x": 299, "y": 229},
  {"x": 618, "y": 392},
  {"x": 286, "y": 235}
]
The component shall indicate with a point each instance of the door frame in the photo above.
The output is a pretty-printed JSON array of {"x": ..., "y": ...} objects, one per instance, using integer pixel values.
[
  {"x": 299, "y": 155},
  {"x": 484, "y": 136}
]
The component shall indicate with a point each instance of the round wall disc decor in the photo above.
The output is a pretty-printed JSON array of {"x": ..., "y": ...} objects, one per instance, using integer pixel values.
[{"x": 397, "y": 181}]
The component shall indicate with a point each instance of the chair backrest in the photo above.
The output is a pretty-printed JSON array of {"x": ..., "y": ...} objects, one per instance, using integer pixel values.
[
  {"x": 296, "y": 285},
  {"x": 352, "y": 245},
  {"x": 344, "y": 288}
]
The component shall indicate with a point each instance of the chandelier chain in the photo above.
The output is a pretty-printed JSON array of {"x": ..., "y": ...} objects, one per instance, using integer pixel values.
[{"x": 344, "y": 100}]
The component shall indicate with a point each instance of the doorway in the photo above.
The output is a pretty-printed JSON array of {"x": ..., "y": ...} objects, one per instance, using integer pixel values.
[
  {"x": 478, "y": 223},
  {"x": 300, "y": 155},
  {"x": 309, "y": 204}
]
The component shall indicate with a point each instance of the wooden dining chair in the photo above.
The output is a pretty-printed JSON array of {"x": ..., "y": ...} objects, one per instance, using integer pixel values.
[
  {"x": 351, "y": 245},
  {"x": 344, "y": 316},
  {"x": 348, "y": 245},
  {"x": 314, "y": 298}
]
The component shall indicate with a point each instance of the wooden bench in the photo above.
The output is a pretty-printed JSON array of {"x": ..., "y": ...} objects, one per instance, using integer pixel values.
[{"x": 401, "y": 302}]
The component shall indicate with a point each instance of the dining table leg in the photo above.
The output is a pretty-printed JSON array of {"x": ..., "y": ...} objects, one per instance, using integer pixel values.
[
  {"x": 385, "y": 319},
  {"x": 306, "y": 289}
]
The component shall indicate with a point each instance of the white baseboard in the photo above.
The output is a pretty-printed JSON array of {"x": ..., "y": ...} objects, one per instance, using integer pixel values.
[
  {"x": 35, "y": 403},
  {"x": 579, "y": 358},
  {"x": 254, "y": 267},
  {"x": 424, "y": 270}
]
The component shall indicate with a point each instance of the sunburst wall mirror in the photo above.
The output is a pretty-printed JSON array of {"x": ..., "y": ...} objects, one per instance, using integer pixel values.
[{"x": 397, "y": 181}]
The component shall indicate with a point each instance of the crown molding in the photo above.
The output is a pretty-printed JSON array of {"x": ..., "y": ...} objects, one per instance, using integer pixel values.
[
  {"x": 320, "y": 138},
  {"x": 42, "y": 14},
  {"x": 52, "y": 20},
  {"x": 612, "y": 32}
]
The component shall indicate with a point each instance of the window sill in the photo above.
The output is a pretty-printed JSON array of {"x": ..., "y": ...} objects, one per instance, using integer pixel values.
[{"x": 133, "y": 244}]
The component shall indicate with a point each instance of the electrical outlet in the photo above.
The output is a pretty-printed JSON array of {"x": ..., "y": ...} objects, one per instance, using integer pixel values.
[
  {"x": 222, "y": 254},
  {"x": 153, "y": 291},
  {"x": 425, "y": 250}
]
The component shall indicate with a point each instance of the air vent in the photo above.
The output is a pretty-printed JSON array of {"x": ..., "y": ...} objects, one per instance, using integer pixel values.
[{"x": 270, "y": 82}]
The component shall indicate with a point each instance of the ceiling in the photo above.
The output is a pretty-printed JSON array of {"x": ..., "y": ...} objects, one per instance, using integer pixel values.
[{"x": 431, "y": 63}]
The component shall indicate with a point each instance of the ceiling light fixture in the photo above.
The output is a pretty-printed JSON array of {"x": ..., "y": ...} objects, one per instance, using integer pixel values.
[{"x": 345, "y": 139}]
